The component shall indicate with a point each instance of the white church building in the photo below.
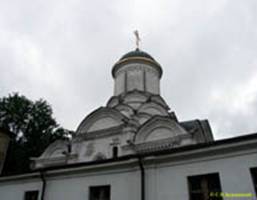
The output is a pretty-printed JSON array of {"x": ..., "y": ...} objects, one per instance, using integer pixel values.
[{"x": 135, "y": 148}]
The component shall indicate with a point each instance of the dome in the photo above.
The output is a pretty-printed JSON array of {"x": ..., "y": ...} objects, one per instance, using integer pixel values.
[
  {"x": 134, "y": 57},
  {"x": 137, "y": 53}
]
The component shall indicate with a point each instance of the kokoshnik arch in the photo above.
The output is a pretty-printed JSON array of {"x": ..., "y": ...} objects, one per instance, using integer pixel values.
[{"x": 136, "y": 119}]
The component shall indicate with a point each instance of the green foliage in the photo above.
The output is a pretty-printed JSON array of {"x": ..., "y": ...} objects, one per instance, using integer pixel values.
[{"x": 33, "y": 128}]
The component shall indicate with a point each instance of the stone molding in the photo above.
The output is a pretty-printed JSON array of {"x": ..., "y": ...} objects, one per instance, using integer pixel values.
[
  {"x": 137, "y": 60},
  {"x": 99, "y": 133},
  {"x": 96, "y": 115},
  {"x": 157, "y": 145},
  {"x": 159, "y": 122},
  {"x": 138, "y": 68},
  {"x": 53, "y": 161}
]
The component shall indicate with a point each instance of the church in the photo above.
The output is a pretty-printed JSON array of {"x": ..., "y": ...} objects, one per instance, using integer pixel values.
[{"x": 135, "y": 148}]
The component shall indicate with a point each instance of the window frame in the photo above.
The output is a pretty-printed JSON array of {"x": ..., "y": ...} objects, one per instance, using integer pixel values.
[
  {"x": 253, "y": 171},
  {"x": 99, "y": 186},
  {"x": 31, "y": 192},
  {"x": 200, "y": 191}
]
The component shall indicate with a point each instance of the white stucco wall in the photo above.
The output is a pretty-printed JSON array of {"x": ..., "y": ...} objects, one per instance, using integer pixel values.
[
  {"x": 166, "y": 178},
  {"x": 152, "y": 82},
  {"x": 119, "y": 85},
  {"x": 124, "y": 185},
  {"x": 104, "y": 123},
  {"x": 14, "y": 190},
  {"x": 135, "y": 79},
  {"x": 169, "y": 180},
  {"x": 102, "y": 145},
  {"x": 139, "y": 76}
]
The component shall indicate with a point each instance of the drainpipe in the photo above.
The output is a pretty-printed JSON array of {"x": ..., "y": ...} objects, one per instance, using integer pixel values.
[
  {"x": 42, "y": 176},
  {"x": 142, "y": 170}
]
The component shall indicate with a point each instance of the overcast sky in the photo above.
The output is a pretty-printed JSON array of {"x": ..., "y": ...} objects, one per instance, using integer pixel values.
[{"x": 63, "y": 51}]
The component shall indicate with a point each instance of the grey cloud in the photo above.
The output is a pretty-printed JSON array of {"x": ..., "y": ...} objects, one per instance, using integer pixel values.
[{"x": 63, "y": 51}]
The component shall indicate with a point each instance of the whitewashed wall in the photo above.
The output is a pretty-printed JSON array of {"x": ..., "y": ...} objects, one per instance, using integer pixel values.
[
  {"x": 124, "y": 186},
  {"x": 169, "y": 180},
  {"x": 131, "y": 76},
  {"x": 165, "y": 178},
  {"x": 14, "y": 190}
]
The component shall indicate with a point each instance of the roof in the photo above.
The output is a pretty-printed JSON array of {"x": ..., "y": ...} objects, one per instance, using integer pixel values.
[
  {"x": 136, "y": 56},
  {"x": 137, "y": 53},
  {"x": 188, "y": 148}
]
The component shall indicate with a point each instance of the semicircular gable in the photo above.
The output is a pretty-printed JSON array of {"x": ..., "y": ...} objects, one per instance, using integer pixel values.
[
  {"x": 125, "y": 109},
  {"x": 142, "y": 117},
  {"x": 55, "y": 149},
  {"x": 113, "y": 101},
  {"x": 153, "y": 109},
  {"x": 158, "y": 99},
  {"x": 102, "y": 118},
  {"x": 158, "y": 128}
]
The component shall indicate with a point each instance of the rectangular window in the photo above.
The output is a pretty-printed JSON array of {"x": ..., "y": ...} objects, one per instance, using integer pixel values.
[
  {"x": 115, "y": 152},
  {"x": 100, "y": 192},
  {"x": 205, "y": 187},
  {"x": 31, "y": 195},
  {"x": 254, "y": 177}
]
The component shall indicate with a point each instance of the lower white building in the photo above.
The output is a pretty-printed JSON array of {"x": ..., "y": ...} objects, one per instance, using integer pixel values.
[{"x": 135, "y": 148}]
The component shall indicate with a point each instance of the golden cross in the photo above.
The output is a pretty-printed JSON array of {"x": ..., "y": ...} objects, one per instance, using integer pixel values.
[{"x": 137, "y": 38}]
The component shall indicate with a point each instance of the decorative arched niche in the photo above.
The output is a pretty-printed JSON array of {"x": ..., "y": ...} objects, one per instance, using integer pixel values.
[
  {"x": 159, "y": 128},
  {"x": 102, "y": 118}
]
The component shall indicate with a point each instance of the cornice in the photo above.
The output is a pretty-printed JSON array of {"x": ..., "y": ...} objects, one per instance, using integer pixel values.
[
  {"x": 99, "y": 133},
  {"x": 158, "y": 145},
  {"x": 147, "y": 61},
  {"x": 242, "y": 145}
]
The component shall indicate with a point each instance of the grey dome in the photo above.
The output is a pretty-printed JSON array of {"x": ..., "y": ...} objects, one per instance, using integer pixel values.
[{"x": 137, "y": 53}]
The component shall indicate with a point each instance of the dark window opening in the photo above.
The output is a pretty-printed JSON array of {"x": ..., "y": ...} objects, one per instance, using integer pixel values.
[
  {"x": 115, "y": 152},
  {"x": 100, "y": 192},
  {"x": 254, "y": 177},
  {"x": 205, "y": 187},
  {"x": 31, "y": 195}
]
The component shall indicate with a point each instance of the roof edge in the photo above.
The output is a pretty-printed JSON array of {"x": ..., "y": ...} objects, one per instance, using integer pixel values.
[{"x": 182, "y": 149}]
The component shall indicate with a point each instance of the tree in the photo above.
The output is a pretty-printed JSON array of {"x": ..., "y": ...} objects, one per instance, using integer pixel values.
[{"x": 33, "y": 128}]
